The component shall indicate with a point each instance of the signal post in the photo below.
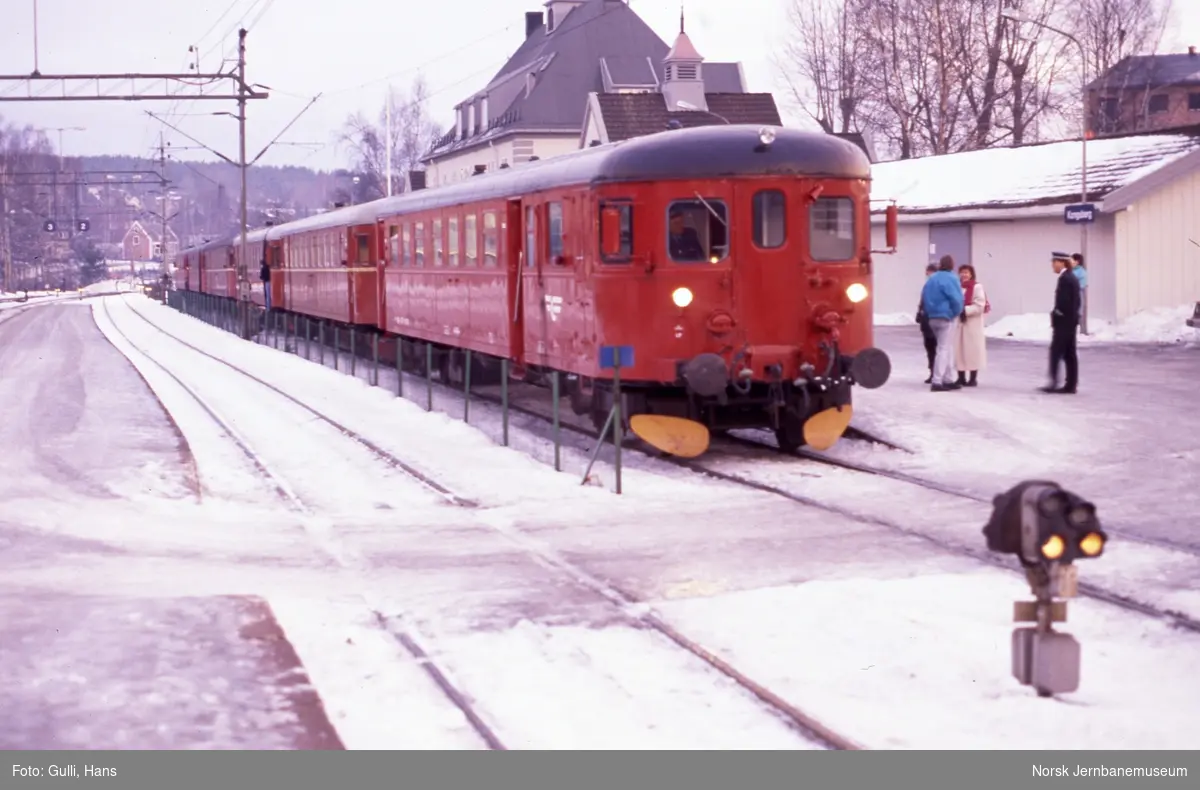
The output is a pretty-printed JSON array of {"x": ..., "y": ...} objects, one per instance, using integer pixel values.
[{"x": 1047, "y": 528}]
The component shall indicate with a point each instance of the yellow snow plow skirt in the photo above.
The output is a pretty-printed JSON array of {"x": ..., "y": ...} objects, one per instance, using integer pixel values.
[
  {"x": 823, "y": 429},
  {"x": 673, "y": 435}
]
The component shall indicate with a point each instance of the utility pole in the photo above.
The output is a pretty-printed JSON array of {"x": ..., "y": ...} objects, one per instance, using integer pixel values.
[
  {"x": 243, "y": 274},
  {"x": 162, "y": 166},
  {"x": 388, "y": 141}
]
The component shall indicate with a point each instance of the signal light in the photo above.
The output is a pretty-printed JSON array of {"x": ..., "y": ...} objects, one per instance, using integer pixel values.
[
  {"x": 856, "y": 292},
  {"x": 1092, "y": 544},
  {"x": 1040, "y": 523}
]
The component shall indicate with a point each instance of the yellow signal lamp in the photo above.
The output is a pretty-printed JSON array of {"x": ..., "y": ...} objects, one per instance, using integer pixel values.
[
  {"x": 856, "y": 292},
  {"x": 1092, "y": 544},
  {"x": 682, "y": 297},
  {"x": 1054, "y": 547}
]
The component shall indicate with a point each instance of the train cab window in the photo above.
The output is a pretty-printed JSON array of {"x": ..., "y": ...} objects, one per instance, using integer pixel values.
[
  {"x": 531, "y": 237},
  {"x": 831, "y": 229},
  {"x": 438, "y": 242},
  {"x": 363, "y": 252},
  {"x": 393, "y": 246},
  {"x": 470, "y": 241},
  {"x": 698, "y": 231},
  {"x": 555, "y": 233},
  {"x": 452, "y": 241},
  {"x": 405, "y": 246},
  {"x": 419, "y": 244},
  {"x": 490, "y": 240},
  {"x": 770, "y": 219},
  {"x": 616, "y": 232}
]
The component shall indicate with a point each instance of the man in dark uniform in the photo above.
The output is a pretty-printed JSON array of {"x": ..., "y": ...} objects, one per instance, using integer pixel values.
[
  {"x": 1064, "y": 323},
  {"x": 264, "y": 274},
  {"x": 684, "y": 241},
  {"x": 927, "y": 329}
]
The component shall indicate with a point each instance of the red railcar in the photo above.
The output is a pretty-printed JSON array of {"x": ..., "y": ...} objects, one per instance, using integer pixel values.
[{"x": 734, "y": 260}]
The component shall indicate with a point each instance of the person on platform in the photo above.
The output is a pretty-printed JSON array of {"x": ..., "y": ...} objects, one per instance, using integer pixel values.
[
  {"x": 971, "y": 350},
  {"x": 1064, "y": 322},
  {"x": 942, "y": 298},
  {"x": 926, "y": 330},
  {"x": 264, "y": 274}
]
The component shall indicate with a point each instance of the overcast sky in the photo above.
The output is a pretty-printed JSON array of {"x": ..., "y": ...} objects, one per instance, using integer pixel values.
[{"x": 346, "y": 49}]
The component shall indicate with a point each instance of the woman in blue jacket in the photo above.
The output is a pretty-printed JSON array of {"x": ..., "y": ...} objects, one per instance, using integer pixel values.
[{"x": 942, "y": 298}]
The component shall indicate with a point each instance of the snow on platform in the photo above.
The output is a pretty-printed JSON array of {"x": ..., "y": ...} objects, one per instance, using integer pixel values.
[
  {"x": 200, "y": 673},
  {"x": 1158, "y": 325},
  {"x": 924, "y": 663},
  {"x": 1028, "y": 175}
]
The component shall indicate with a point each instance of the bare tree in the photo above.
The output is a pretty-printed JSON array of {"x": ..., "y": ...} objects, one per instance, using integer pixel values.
[
  {"x": 822, "y": 64},
  {"x": 410, "y": 135}
]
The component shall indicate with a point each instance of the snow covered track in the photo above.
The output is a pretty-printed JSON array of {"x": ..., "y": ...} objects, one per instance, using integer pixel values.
[{"x": 775, "y": 720}]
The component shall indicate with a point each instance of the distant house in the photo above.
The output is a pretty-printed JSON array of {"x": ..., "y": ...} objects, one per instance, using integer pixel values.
[
  {"x": 1004, "y": 210},
  {"x": 636, "y": 103},
  {"x": 1146, "y": 93},
  {"x": 538, "y": 104},
  {"x": 142, "y": 244}
]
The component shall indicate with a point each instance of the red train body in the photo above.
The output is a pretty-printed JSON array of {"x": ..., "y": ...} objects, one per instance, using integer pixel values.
[{"x": 734, "y": 260}]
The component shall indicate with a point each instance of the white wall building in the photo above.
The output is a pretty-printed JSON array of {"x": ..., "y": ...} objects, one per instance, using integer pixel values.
[{"x": 1002, "y": 210}]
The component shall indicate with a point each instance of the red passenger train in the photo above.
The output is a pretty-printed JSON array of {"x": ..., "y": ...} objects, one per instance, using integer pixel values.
[{"x": 735, "y": 260}]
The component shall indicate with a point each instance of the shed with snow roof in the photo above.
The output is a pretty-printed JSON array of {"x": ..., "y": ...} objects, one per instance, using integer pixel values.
[{"x": 1002, "y": 210}]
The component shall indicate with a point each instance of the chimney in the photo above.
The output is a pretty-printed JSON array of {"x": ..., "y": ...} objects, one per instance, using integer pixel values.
[
  {"x": 533, "y": 22},
  {"x": 1192, "y": 51}
]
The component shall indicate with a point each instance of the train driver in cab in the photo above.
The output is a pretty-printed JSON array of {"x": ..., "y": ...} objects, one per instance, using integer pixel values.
[{"x": 684, "y": 242}]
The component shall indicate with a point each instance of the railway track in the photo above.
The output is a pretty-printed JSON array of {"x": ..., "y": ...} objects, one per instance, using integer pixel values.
[
  {"x": 1178, "y": 619},
  {"x": 631, "y": 607}
]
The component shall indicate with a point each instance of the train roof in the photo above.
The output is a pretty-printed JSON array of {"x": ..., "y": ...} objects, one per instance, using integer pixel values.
[
  {"x": 702, "y": 152},
  {"x": 722, "y": 151}
]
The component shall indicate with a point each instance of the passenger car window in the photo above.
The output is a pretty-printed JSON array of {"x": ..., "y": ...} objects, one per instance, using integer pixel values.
[
  {"x": 438, "y": 241},
  {"x": 698, "y": 231},
  {"x": 616, "y": 222},
  {"x": 470, "y": 240},
  {"x": 452, "y": 241},
  {"x": 490, "y": 244},
  {"x": 555, "y": 234},
  {"x": 770, "y": 219},
  {"x": 831, "y": 229},
  {"x": 531, "y": 236},
  {"x": 405, "y": 248},
  {"x": 420, "y": 244}
]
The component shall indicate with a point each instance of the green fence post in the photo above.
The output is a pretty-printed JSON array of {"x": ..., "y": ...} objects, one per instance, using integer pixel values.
[
  {"x": 399, "y": 367},
  {"x": 321, "y": 344},
  {"x": 467, "y": 388},
  {"x": 353, "y": 352},
  {"x": 307, "y": 340},
  {"x": 504, "y": 399},
  {"x": 557, "y": 445},
  {"x": 617, "y": 437},
  {"x": 374, "y": 360},
  {"x": 337, "y": 347},
  {"x": 429, "y": 377}
]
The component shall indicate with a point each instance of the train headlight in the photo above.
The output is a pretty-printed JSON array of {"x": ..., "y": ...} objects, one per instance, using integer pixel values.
[
  {"x": 682, "y": 297},
  {"x": 766, "y": 135},
  {"x": 856, "y": 292}
]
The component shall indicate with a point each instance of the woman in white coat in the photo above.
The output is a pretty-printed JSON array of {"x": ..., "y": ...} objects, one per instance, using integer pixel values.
[{"x": 971, "y": 350}]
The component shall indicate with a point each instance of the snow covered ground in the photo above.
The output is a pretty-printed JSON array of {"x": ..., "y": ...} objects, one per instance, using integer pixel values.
[
  {"x": 766, "y": 584},
  {"x": 1160, "y": 325},
  {"x": 881, "y": 636}
]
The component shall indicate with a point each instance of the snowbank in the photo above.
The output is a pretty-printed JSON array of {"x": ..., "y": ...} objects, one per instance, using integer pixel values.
[
  {"x": 1158, "y": 325},
  {"x": 895, "y": 319}
]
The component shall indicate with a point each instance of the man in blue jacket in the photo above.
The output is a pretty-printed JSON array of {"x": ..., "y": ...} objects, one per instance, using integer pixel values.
[{"x": 942, "y": 298}]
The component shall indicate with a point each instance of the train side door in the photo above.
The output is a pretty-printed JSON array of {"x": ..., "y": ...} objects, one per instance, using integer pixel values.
[
  {"x": 533, "y": 285},
  {"x": 514, "y": 264},
  {"x": 770, "y": 280}
]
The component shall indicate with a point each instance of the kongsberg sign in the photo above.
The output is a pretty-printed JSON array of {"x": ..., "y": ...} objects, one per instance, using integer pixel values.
[{"x": 1080, "y": 212}]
